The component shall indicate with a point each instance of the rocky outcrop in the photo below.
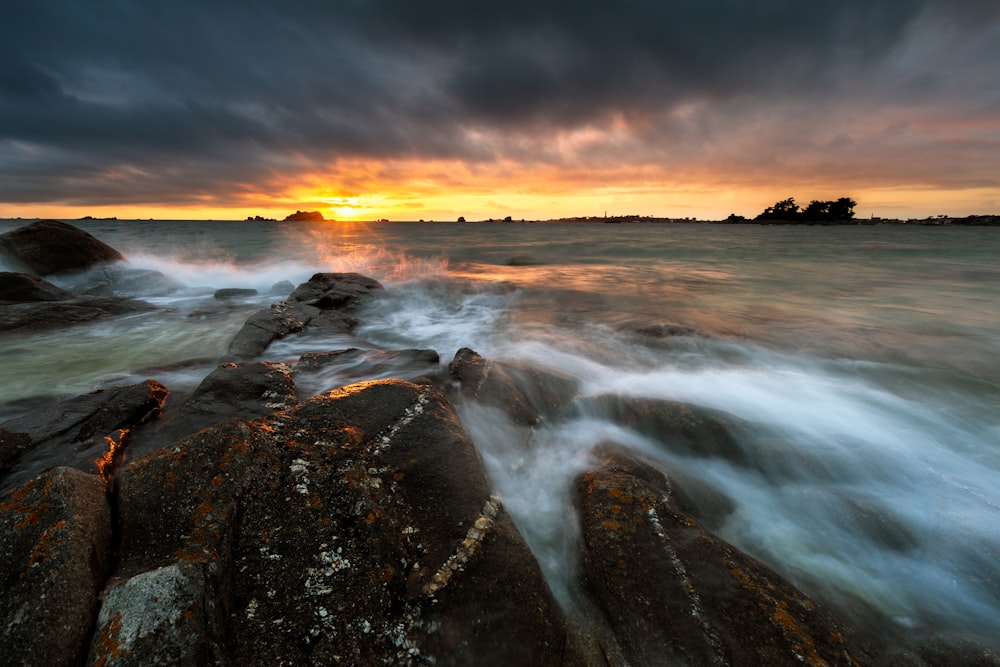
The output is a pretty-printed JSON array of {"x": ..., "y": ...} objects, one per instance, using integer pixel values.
[
  {"x": 326, "y": 303},
  {"x": 674, "y": 594},
  {"x": 22, "y": 288},
  {"x": 87, "y": 432},
  {"x": 248, "y": 391},
  {"x": 55, "y": 552},
  {"x": 268, "y": 325},
  {"x": 50, "y": 246},
  {"x": 524, "y": 393},
  {"x": 305, "y": 216},
  {"x": 358, "y": 527}
]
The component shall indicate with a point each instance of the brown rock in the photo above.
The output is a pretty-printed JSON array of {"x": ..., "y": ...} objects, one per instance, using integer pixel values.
[
  {"x": 249, "y": 390},
  {"x": 51, "y": 246},
  {"x": 674, "y": 594},
  {"x": 357, "y": 527},
  {"x": 55, "y": 550},
  {"x": 22, "y": 288}
]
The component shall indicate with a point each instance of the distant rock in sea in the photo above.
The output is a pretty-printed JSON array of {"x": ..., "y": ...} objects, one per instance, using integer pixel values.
[{"x": 305, "y": 216}]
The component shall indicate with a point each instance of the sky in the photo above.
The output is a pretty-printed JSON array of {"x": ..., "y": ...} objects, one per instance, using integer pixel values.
[{"x": 369, "y": 109}]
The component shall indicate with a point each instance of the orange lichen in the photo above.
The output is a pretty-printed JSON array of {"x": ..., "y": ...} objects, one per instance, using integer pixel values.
[
  {"x": 107, "y": 647},
  {"x": 43, "y": 548},
  {"x": 107, "y": 463},
  {"x": 170, "y": 479},
  {"x": 802, "y": 643}
]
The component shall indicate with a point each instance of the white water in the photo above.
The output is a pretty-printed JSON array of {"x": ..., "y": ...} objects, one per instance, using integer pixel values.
[{"x": 864, "y": 361}]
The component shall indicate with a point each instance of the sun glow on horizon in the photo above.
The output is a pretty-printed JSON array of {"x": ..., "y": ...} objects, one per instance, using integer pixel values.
[{"x": 411, "y": 190}]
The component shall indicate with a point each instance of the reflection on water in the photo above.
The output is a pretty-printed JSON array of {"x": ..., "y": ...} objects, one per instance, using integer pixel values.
[{"x": 863, "y": 362}]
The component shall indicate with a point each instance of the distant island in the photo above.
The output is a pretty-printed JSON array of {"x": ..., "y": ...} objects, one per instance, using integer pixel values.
[{"x": 305, "y": 216}]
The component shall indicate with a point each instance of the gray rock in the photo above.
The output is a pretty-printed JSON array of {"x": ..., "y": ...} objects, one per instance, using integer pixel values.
[
  {"x": 50, "y": 246},
  {"x": 55, "y": 552},
  {"x": 125, "y": 281}
]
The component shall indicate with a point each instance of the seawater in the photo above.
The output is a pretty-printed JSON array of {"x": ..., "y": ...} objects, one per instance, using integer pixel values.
[{"x": 866, "y": 360}]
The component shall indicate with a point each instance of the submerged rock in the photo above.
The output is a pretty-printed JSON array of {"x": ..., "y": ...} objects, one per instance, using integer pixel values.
[
  {"x": 86, "y": 432},
  {"x": 686, "y": 429},
  {"x": 50, "y": 246},
  {"x": 674, "y": 594},
  {"x": 125, "y": 281},
  {"x": 233, "y": 293},
  {"x": 524, "y": 393},
  {"x": 55, "y": 552},
  {"x": 320, "y": 371},
  {"x": 358, "y": 527}
]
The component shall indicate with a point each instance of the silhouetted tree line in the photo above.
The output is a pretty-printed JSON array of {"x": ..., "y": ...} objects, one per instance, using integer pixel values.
[{"x": 787, "y": 210}]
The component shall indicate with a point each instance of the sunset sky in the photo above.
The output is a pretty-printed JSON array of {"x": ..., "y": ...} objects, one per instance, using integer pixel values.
[{"x": 412, "y": 110}]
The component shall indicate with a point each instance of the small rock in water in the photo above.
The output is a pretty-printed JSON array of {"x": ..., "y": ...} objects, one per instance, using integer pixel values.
[{"x": 233, "y": 293}]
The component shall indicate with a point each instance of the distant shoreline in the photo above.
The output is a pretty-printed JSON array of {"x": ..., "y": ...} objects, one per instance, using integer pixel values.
[{"x": 937, "y": 221}]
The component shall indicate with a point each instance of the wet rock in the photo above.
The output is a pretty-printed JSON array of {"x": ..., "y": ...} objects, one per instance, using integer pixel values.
[
  {"x": 945, "y": 652},
  {"x": 86, "y": 432},
  {"x": 41, "y": 315},
  {"x": 55, "y": 552},
  {"x": 325, "y": 303},
  {"x": 269, "y": 324},
  {"x": 233, "y": 293},
  {"x": 282, "y": 287},
  {"x": 248, "y": 390},
  {"x": 525, "y": 393},
  {"x": 22, "y": 288},
  {"x": 674, "y": 594},
  {"x": 336, "y": 291},
  {"x": 704, "y": 501},
  {"x": 319, "y": 371},
  {"x": 50, "y": 246},
  {"x": 686, "y": 429},
  {"x": 358, "y": 527}
]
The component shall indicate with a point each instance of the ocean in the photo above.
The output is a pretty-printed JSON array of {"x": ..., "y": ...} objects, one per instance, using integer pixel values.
[{"x": 865, "y": 359}]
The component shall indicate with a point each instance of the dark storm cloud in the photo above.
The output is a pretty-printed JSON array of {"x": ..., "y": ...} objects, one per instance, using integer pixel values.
[{"x": 191, "y": 95}]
